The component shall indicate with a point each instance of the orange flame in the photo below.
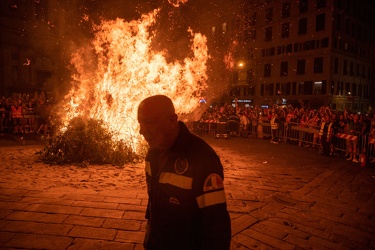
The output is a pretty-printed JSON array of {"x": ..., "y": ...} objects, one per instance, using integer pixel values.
[{"x": 120, "y": 69}]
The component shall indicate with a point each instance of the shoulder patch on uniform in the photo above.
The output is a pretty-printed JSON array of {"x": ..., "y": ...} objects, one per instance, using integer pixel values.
[
  {"x": 181, "y": 165},
  {"x": 213, "y": 182}
]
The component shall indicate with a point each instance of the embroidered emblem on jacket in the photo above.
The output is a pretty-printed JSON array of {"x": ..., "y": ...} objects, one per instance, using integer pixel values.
[
  {"x": 174, "y": 201},
  {"x": 181, "y": 165},
  {"x": 213, "y": 182}
]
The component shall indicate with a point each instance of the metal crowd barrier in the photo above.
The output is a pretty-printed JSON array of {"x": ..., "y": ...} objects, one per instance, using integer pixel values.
[{"x": 294, "y": 133}]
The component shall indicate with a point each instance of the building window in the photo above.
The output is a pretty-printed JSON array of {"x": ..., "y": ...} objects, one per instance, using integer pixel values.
[
  {"x": 338, "y": 22},
  {"x": 289, "y": 48},
  {"x": 307, "y": 45},
  {"x": 253, "y": 19},
  {"x": 351, "y": 68},
  {"x": 363, "y": 71},
  {"x": 283, "y": 68},
  {"x": 302, "y": 26},
  {"x": 338, "y": 88},
  {"x": 249, "y": 76},
  {"x": 318, "y": 65},
  {"x": 354, "y": 89},
  {"x": 15, "y": 75},
  {"x": 269, "y": 89},
  {"x": 320, "y": 4},
  {"x": 296, "y": 47},
  {"x": 253, "y": 34},
  {"x": 301, "y": 88},
  {"x": 285, "y": 30},
  {"x": 269, "y": 15},
  {"x": 320, "y": 22},
  {"x": 325, "y": 42},
  {"x": 268, "y": 36},
  {"x": 294, "y": 88},
  {"x": 336, "y": 66},
  {"x": 347, "y": 30},
  {"x": 332, "y": 88},
  {"x": 358, "y": 74},
  {"x": 347, "y": 88},
  {"x": 301, "y": 66},
  {"x": 286, "y": 10},
  {"x": 318, "y": 88},
  {"x": 267, "y": 70},
  {"x": 303, "y": 6},
  {"x": 345, "y": 68}
]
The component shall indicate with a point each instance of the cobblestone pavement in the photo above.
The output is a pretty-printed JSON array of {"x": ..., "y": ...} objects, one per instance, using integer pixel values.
[{"x": 279, "y": 197}]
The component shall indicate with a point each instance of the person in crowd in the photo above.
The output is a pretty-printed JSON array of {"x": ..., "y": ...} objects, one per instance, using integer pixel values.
[
  {"x": 274, "y": 122},
  {"x": 326, "y": 134},
  {"x": 43, "y": 112},
  {"x": 187, "y": 206},
  {"x": 244, "y": 125},
  {"x": 254, "y": 117},
  {"x": 314, "y": 122},
  {"x": 17, "y": 117},
  {"x": 30, "y": 112},
  {"x": 7, "y": 115},
  {"x": 2, "y": 116},
  {"x": 302, "y": 134},
  {"x": 354, "y": 129}
]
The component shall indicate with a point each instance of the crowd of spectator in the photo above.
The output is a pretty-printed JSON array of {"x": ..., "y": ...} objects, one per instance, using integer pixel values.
[
  {"x": 279, "y": 116},
  {"x": 23, "y": 113}
]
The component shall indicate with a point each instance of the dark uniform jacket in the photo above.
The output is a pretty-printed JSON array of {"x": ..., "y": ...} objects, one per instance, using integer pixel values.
[{"x": 187, "y": 206}]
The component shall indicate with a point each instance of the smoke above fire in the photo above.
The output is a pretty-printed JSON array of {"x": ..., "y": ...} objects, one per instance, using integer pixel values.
[{"x": 119, "y": 68}]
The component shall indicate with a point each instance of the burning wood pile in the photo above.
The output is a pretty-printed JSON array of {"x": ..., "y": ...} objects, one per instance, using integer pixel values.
[{"x": 87, "y": 142}]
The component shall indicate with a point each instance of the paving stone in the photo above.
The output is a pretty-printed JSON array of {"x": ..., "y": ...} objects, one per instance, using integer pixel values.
[
  {"x": 241, "y": 241},
  {"x": 348, "y": 231},
  {"x": 127, "y": 225},
  {"x": 271, "y": 228},
  {"x": 12, "y": 205},
  {"x": 326, "y": 243},
  {"x": 4, "y": 213},
  {"x": 37, "y": 228},
  {"x": 269, "y": 240},
  {"x": 48, "y": 208},
  {"x": 99, "y": 212},
  {"x": 96, "y": 204},
  {"x": 241, "y": 223},
  {"x": 47, "y": 200},
  {"x": 131, "y": 215},
  {"x": 38, "y": 241},
  {"x": 135, "y": 208},
  {"x": 84, "y": 197},
  {"x": 89, "y": 244},
  {"x": 84, "y": 220},
  {"x": 93, "y": 233},
  {"x": 130, "y": 236},
  {"x": 37, "y": 217},
  {"x": 132, "y": 201},
  {"x": 300, "y": 243},
  {"x": 119, "y": 194},
  {"x": 5, "y": 236}
]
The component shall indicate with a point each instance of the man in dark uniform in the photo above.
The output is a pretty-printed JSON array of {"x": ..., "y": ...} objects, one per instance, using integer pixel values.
[{"x": 187, "y": 206}]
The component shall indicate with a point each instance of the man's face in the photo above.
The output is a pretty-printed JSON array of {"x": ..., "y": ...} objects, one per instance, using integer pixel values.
[{"x": 154, "y": 128}]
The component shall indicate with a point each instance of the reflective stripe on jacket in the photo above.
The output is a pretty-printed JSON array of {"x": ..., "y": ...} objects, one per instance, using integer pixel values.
[{"x": 16, "y": 112}]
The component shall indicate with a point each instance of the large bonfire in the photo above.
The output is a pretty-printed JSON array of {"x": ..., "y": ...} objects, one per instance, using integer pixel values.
[{"x": 112, "y": 75}]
